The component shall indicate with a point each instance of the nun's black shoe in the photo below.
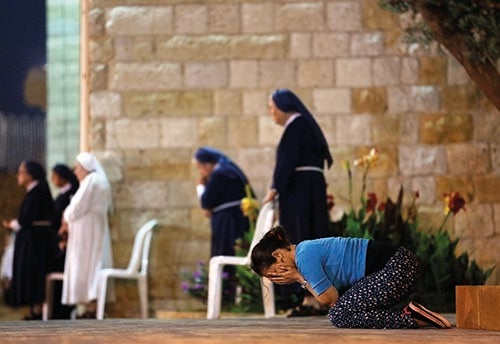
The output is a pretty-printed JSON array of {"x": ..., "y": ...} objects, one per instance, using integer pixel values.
[
  {"x": 33, "y": 316},
  {"x": 306, "y": 311}
]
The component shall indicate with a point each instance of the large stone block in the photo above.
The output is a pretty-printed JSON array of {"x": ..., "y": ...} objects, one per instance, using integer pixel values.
[
  {"x": 206, "y": 75},
  {"x": 315, "y": 73},
  {"x": 255, "y": 103},
  {"x": 355, "y": 72},
  {"x": 227, "y": 103},
  {"x": 371, "y": 100},
  {"x": 421, "y": 160},
  {"x": 327, "y": 44},
  {"x": 242, "y": 131},
  {"x": 302, "y": 16},
  {"x": 367, "y": 44},
  {"x": 353, "y": 130},
  {"x": 126, "y": 133},
  {"x": 218, "y": 47},
  {"x": 139, "y": 20},
  {"x": 386, "y": 130},
  {"x": 386, "y": 71},
  {"x": 100, "y": 50},
  {"x": 343, "y": 16},
  {"x": 244, "y": 73},
  {"x": 105, "y": 104},
  {"x": 275, "y": 74},
  {"x": 409, "y": 70},
  {"x": 142, "y": 195},
  {"x": 376, "y": 18},
  {"x": 487, "y": 126},
  {"x": 332, "y": 100},
  {"x": 460, "y": 98},
  {"x": 98, "y": 76},
  {"x": 190, "y": 18},
  {"x": 300, "y": 45},
  {"x": 468, "y": 158},
  {"x": 186, "y": 103},
  {"x": 223, "y": 18},
  {"x": 487, "y": 188},
  {"x": 151, "y": 76},
  {"x": 212, "y": 131},
  {"x": 424, "y": 98},
  {"x": 432, "y": 70},
  {"x": 477, "y": 307},
  {"x": 446, "y": 128},
  {"x": 178, "y": 132},
  {"x": 257, "y": 17},
  {"x": 475, "y": 222}
]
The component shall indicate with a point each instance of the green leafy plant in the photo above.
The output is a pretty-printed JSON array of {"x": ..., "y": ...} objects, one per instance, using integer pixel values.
[{"x": 442, "y": 270}]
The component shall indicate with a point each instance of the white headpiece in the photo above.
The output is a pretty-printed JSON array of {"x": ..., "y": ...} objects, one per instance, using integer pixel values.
[{"x": 88, "y": 161}]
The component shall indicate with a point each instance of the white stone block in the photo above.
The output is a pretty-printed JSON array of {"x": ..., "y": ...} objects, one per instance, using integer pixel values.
[
  {"x": 178, "y": 132},
  {"x": 191, "y": 18},
  {"x": 206, "y": 75},
  {"x": 105, "y": 104},
  {"x": 326, "y": 44},
  {"x": 145, "y": 76},
  {"x": 417, "y": 160},
  {"x": 386, "y": 71},
  {"x": 300, "y": 45},
  {"x": 134, "y": 134},
  {"x": 367, "y": 44},
  {"x": 257, "y": 17},
  {"x": 332, "y": 100},
  {"x": 137, "y": 20},
  {"x": 344, "y": 16},
  {"x": 353, "y": 130},
  {"x": 243, "y": 73},
  {"x": 353, "y": 72}
]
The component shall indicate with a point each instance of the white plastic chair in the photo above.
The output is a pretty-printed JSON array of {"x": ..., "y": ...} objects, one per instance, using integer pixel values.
[
  {"x": 264, "y": 223},
  {"x": 50, "y": 279},
  {"x": 137, "y": 269}
]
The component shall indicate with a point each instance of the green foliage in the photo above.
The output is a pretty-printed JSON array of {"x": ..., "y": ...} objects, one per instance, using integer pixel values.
[{"x": 476, "y": 22}]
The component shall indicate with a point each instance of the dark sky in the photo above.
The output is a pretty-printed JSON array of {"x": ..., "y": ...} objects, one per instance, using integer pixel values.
[{"x": 22, "y": 46}]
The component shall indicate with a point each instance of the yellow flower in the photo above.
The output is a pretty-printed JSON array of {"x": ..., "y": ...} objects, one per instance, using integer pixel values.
[
  {"x": 345, "y": 165},
  {"x": 367, "y": 160},
  {"x": 249, "y": 207}
]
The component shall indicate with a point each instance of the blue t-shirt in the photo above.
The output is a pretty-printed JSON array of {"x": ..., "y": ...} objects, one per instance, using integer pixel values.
[{"x": 331, "y": 261}]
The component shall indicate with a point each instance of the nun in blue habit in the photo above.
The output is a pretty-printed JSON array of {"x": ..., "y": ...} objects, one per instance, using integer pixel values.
[
  {"x": 298, "y": 179},
  {"x": 221, "y": 189}
]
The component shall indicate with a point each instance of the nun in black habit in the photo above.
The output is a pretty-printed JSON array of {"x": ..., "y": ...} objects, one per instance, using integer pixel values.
[{"x": 33, "y": 247}]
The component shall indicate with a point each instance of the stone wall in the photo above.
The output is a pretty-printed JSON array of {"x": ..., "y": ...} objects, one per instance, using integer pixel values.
[{"x": 168, "y": 76}]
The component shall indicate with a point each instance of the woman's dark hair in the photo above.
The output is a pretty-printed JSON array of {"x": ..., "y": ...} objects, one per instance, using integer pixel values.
[
  {"x": 262, "y": 253},
  {"x": 68, "y": 175}
]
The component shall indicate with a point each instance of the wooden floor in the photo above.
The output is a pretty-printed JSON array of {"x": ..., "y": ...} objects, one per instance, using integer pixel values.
[{"x": 227, "y": 331}]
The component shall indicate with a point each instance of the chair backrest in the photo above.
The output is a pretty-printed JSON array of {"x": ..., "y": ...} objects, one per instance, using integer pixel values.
[
  {"x": 264, "y": 223},
  {"x": 139, "y": 257}
]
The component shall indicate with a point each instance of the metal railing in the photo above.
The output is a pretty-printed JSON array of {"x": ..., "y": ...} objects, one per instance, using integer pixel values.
[{"x": 22, "y": 137}]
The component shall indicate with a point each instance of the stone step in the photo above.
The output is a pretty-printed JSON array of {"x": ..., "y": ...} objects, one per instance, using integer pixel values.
[{"x": 477, "y": 307}]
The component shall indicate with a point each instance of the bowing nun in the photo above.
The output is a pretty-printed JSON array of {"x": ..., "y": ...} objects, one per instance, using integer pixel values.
[{"x": 220, "y": 190}]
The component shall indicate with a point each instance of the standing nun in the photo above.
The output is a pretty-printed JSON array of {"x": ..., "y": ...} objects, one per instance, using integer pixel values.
[
  {"x": 33, "y": 242},
  {"x": 89, "y": 243},
  {"x": 298, "y": 178}
]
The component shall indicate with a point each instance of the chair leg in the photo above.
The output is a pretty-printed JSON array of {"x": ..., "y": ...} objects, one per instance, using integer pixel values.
[
  {"x": 101, "y": 299},
  {"x": 214, "y": 290},
  {"x": 142, "y": 283},
  {"x": 268, "y": 297}
]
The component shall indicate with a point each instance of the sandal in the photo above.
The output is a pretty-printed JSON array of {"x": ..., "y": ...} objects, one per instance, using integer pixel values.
[{"x": 432, "y": 318}]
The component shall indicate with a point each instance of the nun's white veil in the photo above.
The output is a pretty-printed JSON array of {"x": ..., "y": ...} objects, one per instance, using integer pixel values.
[{"x": 90, "y": 163}]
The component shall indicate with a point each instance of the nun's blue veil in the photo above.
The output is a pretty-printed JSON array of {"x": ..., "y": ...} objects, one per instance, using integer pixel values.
[
  {"x": 287, "y": 101},
  {"x": 212, "y": 155}
]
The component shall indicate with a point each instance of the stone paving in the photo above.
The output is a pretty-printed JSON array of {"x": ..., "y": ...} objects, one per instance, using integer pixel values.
[{"x": 227, "y": 330}]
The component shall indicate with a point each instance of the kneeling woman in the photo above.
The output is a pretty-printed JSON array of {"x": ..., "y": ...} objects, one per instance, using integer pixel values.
[{"x": 358, "y": 278}]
